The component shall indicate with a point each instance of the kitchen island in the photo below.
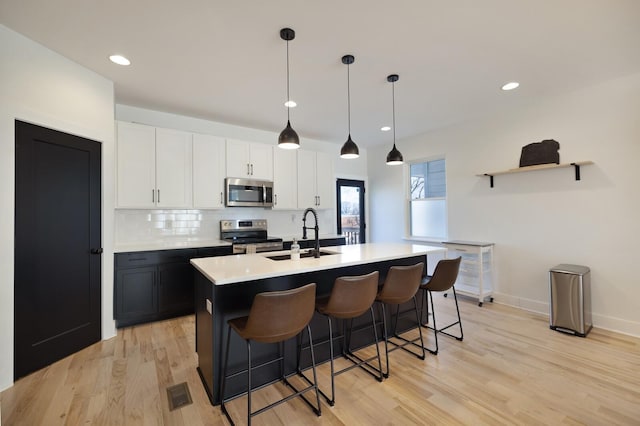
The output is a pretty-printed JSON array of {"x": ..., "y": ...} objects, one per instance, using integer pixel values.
[{"x": 225, "y": 288}]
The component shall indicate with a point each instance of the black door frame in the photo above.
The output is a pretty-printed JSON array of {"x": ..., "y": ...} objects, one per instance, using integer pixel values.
[{"x": 358, "y": 184}]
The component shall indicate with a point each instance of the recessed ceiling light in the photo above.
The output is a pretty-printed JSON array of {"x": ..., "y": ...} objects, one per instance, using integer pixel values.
[
  {"x": 385, "y": 128},
  {"x": 510, "y": 86},
  {"x": 290, "y": 104},
  {"x": 119, "y": 59}
]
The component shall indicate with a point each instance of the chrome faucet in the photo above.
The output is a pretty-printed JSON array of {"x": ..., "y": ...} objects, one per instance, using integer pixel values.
[{"x": 316, "y": 251}]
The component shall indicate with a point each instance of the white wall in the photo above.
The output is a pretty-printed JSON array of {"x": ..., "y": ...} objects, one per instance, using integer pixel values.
[
  {"x": 539, "y": 219},
  {"x": 41, "y": 87}
]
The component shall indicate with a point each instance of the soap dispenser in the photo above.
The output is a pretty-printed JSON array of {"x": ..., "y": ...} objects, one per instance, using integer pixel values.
[{"x": 295, "y": 250}]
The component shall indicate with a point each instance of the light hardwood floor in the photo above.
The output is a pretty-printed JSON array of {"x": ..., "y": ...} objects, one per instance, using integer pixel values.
[{"x": 510, "y": 369}]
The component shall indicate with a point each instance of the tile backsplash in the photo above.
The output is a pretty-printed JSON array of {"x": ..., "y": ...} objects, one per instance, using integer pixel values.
[{"x": 143, "y": 226}]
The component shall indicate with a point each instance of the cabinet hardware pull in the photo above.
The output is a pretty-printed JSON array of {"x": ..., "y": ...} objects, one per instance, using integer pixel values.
[
  {"x": 153, "y": 195},
  {"x": 96, "y": 251},
  {"x": 220, "y": 198},
  {"x": 318, "y": 200},
  {"x": 248, "y": 169},
  {"x": 252, "y": 170},
  {"x": 275, "y": 199},
  {"x": 158, "y": 196}
]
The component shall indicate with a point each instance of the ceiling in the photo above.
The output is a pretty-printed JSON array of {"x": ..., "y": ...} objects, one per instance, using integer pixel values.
[{"x": 224, "y": 60}]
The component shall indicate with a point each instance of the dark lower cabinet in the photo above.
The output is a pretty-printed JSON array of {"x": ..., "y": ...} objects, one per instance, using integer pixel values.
[
  {"x": 156, "y": 285},
  {"x": 174, "y": 296},
  {"x": 136, "y": 293}
]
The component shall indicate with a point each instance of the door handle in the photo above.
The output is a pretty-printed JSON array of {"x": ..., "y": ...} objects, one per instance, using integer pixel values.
[{"x": 96, "y": 251}]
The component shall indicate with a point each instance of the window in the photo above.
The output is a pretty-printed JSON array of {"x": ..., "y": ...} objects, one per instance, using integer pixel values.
[{"x": 428, "y": 199}]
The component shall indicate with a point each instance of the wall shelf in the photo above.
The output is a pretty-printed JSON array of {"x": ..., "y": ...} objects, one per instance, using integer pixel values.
[{"x": 575, "y": 165}]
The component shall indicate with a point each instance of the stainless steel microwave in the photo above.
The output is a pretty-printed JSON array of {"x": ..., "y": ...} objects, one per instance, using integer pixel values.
[{"x": 248, "y": 193}]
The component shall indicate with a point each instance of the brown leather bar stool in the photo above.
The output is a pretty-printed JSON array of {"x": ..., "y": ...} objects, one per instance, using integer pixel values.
[
  {"x": 443, "y": 278},
  {"x": 350, "y": 298},
  {"x": 400, "y": 286},
  {"x": 274, "y": 317}
]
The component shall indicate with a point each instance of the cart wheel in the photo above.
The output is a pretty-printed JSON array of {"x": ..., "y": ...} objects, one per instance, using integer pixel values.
[
  {"x": 445, "y": 295},
  {"x": 480, "y": 304}
]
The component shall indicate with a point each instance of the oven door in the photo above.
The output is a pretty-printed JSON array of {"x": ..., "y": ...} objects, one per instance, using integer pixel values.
[{"x": 249, "y": 193}]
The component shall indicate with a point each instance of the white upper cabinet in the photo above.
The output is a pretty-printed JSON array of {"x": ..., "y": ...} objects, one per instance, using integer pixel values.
[
  {"x": 315, "y": 180},
  {"x": 208, "y": 172},
  {"x": 173, "y": 168},
  {"x": 325, "y": 180},
  {"x": 136, "y": 165},
  {"x": 249, "y": 160},
  {"x": 285, "y": 177},
  {"x": 153, "y": 167}
]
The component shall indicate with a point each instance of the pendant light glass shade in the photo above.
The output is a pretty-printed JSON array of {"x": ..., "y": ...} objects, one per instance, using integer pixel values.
[
  {"x": 349, "y": 150},
  {"x": 288, "y": 138},
  {"x": 394, "y": 157}
]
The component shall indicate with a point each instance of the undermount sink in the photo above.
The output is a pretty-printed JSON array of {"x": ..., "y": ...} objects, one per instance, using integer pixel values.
[{"x": 302, "y": 255}]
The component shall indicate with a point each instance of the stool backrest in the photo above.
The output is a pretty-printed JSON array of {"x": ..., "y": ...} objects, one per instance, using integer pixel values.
[
  {"x": 352, "y": 296},
  {"x": 402, "y": 283},
  {"x": 276, "y": 316},
  {"x": 445, "y": 275}
]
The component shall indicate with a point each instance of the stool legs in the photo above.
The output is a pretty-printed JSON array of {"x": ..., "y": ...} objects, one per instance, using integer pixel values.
[
  {"x": 428, "y": 296},
  {"x": 348, "y": 354},
  {"x": 250, "y": 414},
  {"x": 406, "y": 342},
  {"x": 223, "y": 377}
]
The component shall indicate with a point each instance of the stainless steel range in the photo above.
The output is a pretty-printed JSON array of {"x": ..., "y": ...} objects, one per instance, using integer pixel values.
[{"x": 248, "y": 235}]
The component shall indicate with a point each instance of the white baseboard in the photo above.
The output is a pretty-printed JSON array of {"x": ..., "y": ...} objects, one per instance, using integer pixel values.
[{"x": 619, "y": 325}]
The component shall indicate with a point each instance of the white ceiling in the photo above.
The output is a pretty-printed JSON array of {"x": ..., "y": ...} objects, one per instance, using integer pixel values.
[{"x": 224, "y": 60}]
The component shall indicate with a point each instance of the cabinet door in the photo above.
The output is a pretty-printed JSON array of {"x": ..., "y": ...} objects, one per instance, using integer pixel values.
[
  {"x": 285, "y": 177},
  {"x": 325, "y": 180},
  {"x": 173, "y": 169},
  {"x": 175, "y": 288},
  {"x": 135, "y": 293},
  {"x": 306, "y": 179},
  {"x": 136, "y": 166},
  {"x": 261, "y": 165},
  {"x": 208, "y": 172},
  {"x": 238, "y": 162}
]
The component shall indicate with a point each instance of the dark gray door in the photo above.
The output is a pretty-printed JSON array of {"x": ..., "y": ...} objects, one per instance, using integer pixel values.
[{"x": 57, "y": 246}]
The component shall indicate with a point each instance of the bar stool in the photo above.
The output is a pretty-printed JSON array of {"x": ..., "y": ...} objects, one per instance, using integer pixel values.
[
  {"x": 274, "y": 317},
  {"x": 400, "y": 286},
  {"x": 443, "y": 278},
  {"x": 350, "y": 298}
]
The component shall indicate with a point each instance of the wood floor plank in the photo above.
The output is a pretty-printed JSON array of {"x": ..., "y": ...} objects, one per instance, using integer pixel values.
[{"x": 510, "y": 369}]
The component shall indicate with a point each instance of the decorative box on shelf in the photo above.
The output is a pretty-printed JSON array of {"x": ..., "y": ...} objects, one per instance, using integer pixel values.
[{"x": 476, "y": 276}]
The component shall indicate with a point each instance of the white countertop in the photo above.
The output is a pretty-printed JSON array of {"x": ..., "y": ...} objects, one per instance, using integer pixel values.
[
  {"x": 247, "y": 267},
  {"x": 168, "y": 245}
]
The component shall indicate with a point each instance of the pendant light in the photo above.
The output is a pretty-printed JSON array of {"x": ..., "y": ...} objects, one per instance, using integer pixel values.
[
  {"x": 394, "y": 157},
  {"x": 288, "y": 138},
  {"x": 349, "y": 149}
]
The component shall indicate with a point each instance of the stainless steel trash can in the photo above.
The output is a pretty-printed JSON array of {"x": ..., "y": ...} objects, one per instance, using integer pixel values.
[{"x": 570, "y": 288}]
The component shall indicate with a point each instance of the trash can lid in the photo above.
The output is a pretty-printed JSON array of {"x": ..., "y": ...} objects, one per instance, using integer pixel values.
[{"x": 571, "y": 269}]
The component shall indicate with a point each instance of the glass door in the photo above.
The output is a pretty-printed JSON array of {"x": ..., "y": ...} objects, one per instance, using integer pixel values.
[{"x": 350, "y": 196}]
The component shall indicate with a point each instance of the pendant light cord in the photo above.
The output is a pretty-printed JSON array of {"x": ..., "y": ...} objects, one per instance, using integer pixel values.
[
  {"x": 393, "y": 103},
  {"x": 288, "y": 98},
  {"x": 349, "y": 99}
]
